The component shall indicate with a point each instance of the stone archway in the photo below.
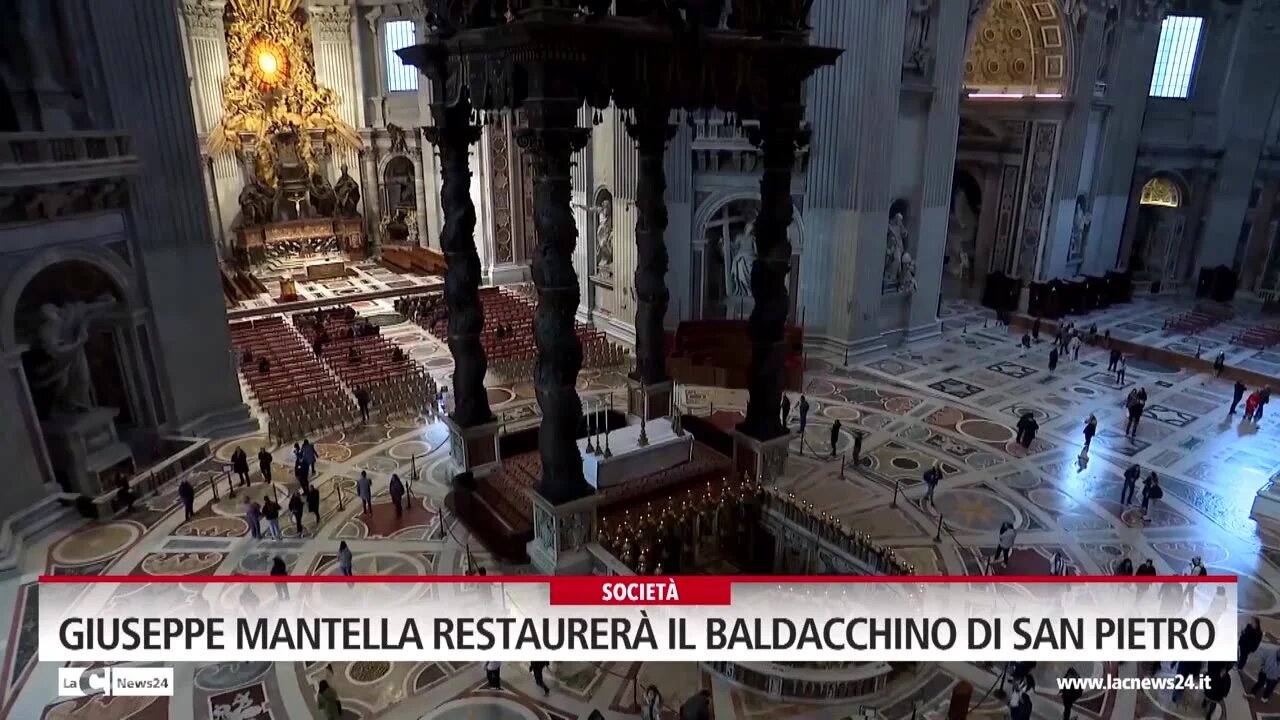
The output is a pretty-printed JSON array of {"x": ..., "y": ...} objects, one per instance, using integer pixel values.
[
  {"x": 724, "y": 250},
  {"x": 1158, "y": 237},
  {"x": 1020, "y": 47}
]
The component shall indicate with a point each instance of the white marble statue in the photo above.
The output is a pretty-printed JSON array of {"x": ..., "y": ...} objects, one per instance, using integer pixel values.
[
  {"x": 1079, "y": 228},
  {"x": 61, "y": 335},
  {"x": 604, "y": 234},
  {"x": 960, "y": 235},
  {"x": 907, "y": 273},
  {"x": 744, "y": 256},
  {"x": 895, "y": 246}
]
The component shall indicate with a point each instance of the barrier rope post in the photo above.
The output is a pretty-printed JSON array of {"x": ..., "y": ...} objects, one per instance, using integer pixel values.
[
  {"x": 894, "y": 503},
  {"x": 842, "y": 459},
  {"x": 338, "y": 489},
  {"x": 213, "y": 485},
  {"x": 937, "y": 537},
  {"x": 231, "y": 489}
]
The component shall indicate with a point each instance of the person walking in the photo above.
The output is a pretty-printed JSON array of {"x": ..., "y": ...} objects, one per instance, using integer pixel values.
[
  {"x": 1053, "y": 360},
  {"x": 493, "y": 675},
  {"x": 345, "y": 560},
  {"x": 309, "y": 456},
  {"x": 931, "y": 478},
  {"x": 240, "y": 464},
  {"x": 1151, "y": 492},
  {"x": 297, "y": 506},
  {"x": 697, "y": 707},
  {"x": 253, "y": 516},
  {"x": 396, "y": 489},
  {"x": 1216, "y": 693},
  {"x": 835, "y": 436},
  {"x": 1120, "y": 370},
  {"x": 1135, "y": 410},
  {"x": 1090, "y": 429},
  {"x": 537, "y": 668},
  {"x": 804, "y": 414},
  {"x": 271, "y": 513},
  {"x": 1113, "y": 361},
  {"x": 1130, "y": 486},
  {"x": 1251, "y": 405},
  {"x": 1250, "y": 640},
  {"x": 300, "y": 473},
  {"x": 1035, "y": 330},
  {"x": 1124, "y": 568},
  {"x": 1268, "y": 677},
  {"x": 1070, "y": 693},
  {"x": 313, "y": 502},
  {"x": 187, "y": 494},
  {"x": 1237, "y": 393},
  {"x": 364, "y": 488},
  {"x": 264, "y": 464},
  {"x": 1004, "y": 544},
  {"x": 1263, "y": 398},
  {"x": 328, "y": 702},
  {"x": 362, "y": 401},
  {"x": 1075, "y": 349},
  {"x": 786, "y": 410},
  {"x": 1219, "y": 363},
  {"x": 279, "y": 569}
]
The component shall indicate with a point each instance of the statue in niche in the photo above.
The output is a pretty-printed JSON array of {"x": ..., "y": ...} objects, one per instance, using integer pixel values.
[
  {"x": 256, "y": 201},
  {"x": 323, "y": 198},
  {"x": 917, "y": 53},
  {"x": 1080, "y": 227},
  {"x": 961, "y": 234},
  {"x": 895, "y": 246},
  {"x": 744, "y": 256},
  {"x": 347, "y": 195},
  {"x": 907, "y": 273},
  {"x": 1108, "y": 41},
  {"x": 61, "y": 373},
  {"x": 604, "y": 233},
  {"x": 396, "y": 229},
  {"x": 399, "y": 139}
]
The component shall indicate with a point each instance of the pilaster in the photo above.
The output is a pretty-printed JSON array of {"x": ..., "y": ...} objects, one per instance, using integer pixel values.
[
  {"x": 1259, "y": 246},
  {"x": 334, "y": 57}
]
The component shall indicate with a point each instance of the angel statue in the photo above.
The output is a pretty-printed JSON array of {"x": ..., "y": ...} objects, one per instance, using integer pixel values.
[
  {"x": 603, "y": 210},
  {"x": 62, "y": 374}
]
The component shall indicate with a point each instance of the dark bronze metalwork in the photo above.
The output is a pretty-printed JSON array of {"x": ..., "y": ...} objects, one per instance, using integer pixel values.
[{"x": 651, "y": 133}]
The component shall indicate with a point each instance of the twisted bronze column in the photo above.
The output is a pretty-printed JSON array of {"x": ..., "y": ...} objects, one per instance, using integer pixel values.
[
  {"x": 777, "y": 136},
  {"x": 452, "y": 136},
  {"x": 651, "y": 133},
  {"x": 551, "y": 145}
]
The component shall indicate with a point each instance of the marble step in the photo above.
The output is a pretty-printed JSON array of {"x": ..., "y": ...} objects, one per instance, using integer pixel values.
[{"x": 23, "y": 526}]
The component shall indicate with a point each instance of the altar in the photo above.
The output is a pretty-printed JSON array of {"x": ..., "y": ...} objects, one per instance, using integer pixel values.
[{"x": 629, "y": 461}]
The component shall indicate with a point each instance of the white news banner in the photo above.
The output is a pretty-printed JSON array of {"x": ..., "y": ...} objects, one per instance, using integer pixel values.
[{"x": 121, "y": 681}]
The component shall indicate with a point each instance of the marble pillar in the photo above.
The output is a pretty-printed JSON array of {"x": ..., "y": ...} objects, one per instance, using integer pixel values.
[
  {"x": 1259, "y": 246},
  {"x": 452, "y": 136},
  {"x": 141, "y": 42},
  {"x": 206, "y": 50},
  {"x": 371, "y": 192},
  {"x": 551, "y": 139},
  {"x": 335, "y": 67},
  {"x": 420, "y": 160}
]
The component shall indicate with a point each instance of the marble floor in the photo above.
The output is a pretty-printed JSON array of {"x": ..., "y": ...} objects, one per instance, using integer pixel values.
[
  {"x": 362, "y": 277},
  {"x": 952, "y": 401}
]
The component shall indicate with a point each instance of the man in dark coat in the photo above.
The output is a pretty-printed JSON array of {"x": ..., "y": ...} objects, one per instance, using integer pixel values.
[{"x": 188, "y": 496}]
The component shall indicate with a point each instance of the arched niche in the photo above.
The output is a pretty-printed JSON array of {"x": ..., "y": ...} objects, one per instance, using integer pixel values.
[
  {"x": 400, "y": 199},
  {"x": 1158, "y": 237},
  {"x": 1020, "y": 46},
  {"x": 959, "y": 264},
  {"x": 727, "y": 250}
]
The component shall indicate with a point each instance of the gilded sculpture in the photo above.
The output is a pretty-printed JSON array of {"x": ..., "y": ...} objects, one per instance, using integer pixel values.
[{"x": 271, "y": 87}]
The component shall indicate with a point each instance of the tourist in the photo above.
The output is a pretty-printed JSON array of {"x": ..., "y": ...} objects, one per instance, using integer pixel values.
[
  {"x": 1058, "y": 567},
  {"x": 328, "y": 702},
  {"x": 1090, "y": 429},
  {"x": 804, "y": 413},
  {"x": 1069, "y": 693},
  {"x": 353, "y": 355},
  {"x": 1035, "y": 329},
  {"x": 1135, "y": 414},
  {"x": 1250, "y": 639},
  {"x": 240, "y": 463},
  {"x": 279, "y": 569},
  {"x": 1075, "y": 349},
  {"x": 364, "y": 488},
  {"x": 1251, "y": 405},
  {"x": 1219, "y": 363},
  {"x": 1053, "y": 360},
  {"x": 1020, "y": 698},
  {"x": 396, "y": 489},
  {"x": 536, "y": 668},
  {"x": 309, "y": 456},
  {"x": 857, "y": 447},
  {"x": 1237, "y": 393},
  {"x": 313, "y": 502},
  {"x": 835, "y": 436},
  {"x": 1026, "y": 345},
  {"x": 1120, "y": 370},
  {"x": 1093, "y": 334},
  {"x": 188, "y": 496},
  {"x": 1146, "y": 569},
  {"x": 362, "y": 401},
  {"x": 1219, "y": 687},
  {"x": 493, "y": 675},
  {"x": 345, "y": 560},
  {"x": 931, "y": 478},
  {"x": 652, "y": 708},
  {"x": 1106, "y": 338},
  {"x": 1004, "y": 543},
  {"x": 1029, "y": 427},
  {"x": 1113, "y": 361},
  {"x": 697, "y": 707},
  {"x": 264, "y": 464},
  {"x": 271, "y": 513},
  {"x": 300, "y": 473},
  {"x": 253, "y": 516},
  {"x": 297, "y": 506},
  {"x": 1268, "y": 677},
  {"x": 444, "y": 400},
  {"x": 1130, "y": 484},
  {"x": 1263, "y": 398},
  {"x": 1151, "y": 492},
  {"x": 397, "y": 354},
  {"x": 317, "y": 347},
  {"x": 1124, "y": 568},
  {"x": 786, "y": 410},
  {"x": 297, "y": 453}
]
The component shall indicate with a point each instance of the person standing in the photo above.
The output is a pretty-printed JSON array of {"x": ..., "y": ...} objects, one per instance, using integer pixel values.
[
  {"x": 536, "y": 668},
  {"x": 313, "y": 502},
  {"x": 309, "y": 456},
  {"x": 345, "y": 567},
  {"x": 931, "y": 478},
  {"x": 1124, "y": 568},
  {"x": 1120, "y": 370},
  {"x": 1070, "y": 694},
  {"x": 396, "y": 489},
  {"x": 493, "y": 675},
  {"x": 364, "y": 488},
  {"x": 1113, "y": 361},
  {"x": 240, "y": 463},
  {"x": 857, "y": 447},
  {"x": 328, "y": 702},
  {"x": 1075, "y": 349},
  {"x": 1053, "y": 360},
  {"x": 1035, "y": 330},
  {"x": 1151, "y": 492},
  {"x": 264, "y": 464},
  {"x": 804, "y": 413},
  {"x": 1135, "y": 415},
  {"x": 253, "y": 516},
  {"x": 1004, "y": 544},
  {"x": 187, "y": 494},
  {"x": 697, "y": 707},
  {"x": 786, "y": 410},
  {"x": 1216, "y": 693},
  {"x": 1130, "y": 484},
  {"x": 297, "y": 506},
  {"x": 1263, "y": 398},
  {"x": 1268, "y": 677},
  {"x": 1237, "y": 393},
  {"x": 835, "y": 436},
  {"x": 1250, "y": 640},
  {"x": 1219, "y": 363},
  {"x": 271, "y": 513},
  {"x": 1090, "y": 429},
  {"x": 1031, "y": 428},
  {"x": 279, "y": 569},
  {"x": 362, "y": 400},
  {"x": 1251, "y": 405}
]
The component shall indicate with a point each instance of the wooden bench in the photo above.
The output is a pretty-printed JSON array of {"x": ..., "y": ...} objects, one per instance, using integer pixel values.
[{"x": 414, "y": 259}]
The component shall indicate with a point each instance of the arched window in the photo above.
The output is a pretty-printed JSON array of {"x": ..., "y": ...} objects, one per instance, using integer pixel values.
[
  {"x": 1161, "y": 192},
  {"x": 399, "y": 34}
]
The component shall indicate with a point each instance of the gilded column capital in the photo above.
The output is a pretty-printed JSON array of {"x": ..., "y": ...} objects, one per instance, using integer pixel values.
[{"x": 204, "y": 18}]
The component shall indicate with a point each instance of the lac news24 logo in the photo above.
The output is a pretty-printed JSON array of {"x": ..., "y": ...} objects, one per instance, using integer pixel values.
[{"x": 82, "y": 681}]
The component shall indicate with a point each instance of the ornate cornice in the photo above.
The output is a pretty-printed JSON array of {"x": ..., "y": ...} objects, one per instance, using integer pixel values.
[
  {"x": 203, "y": 18},
  {"x": 332, "y": 23}
]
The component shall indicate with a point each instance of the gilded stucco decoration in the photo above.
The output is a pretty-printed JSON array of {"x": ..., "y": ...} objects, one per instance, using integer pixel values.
[
  {"x": 271, "y": 87},
  {"x": 1161, "y": 192},
  {"x": 1019, "y": 46}
]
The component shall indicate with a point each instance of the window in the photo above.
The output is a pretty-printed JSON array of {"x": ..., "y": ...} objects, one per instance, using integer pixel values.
[
  {"x": 1176, "y": 56},
  {"x": 398, "y": 34}
]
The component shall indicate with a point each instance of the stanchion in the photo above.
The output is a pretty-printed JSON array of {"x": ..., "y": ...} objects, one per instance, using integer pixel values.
[
  {"x": 894, "y": 503},
  {"x": 846, "y": 357},
  {"x": 213, "y": 485},
  {"x": 275, "y": 494},
  {"x": 231, "y": 489},
  {"x": 338, "y": 488},
  {"x": 842, "y": 459},
  {"x": 937, "y": 537}
]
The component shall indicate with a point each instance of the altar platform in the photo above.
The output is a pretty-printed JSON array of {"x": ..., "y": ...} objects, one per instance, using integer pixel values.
[{"x": 629, "y": 460}]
